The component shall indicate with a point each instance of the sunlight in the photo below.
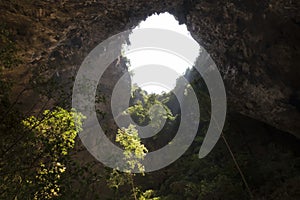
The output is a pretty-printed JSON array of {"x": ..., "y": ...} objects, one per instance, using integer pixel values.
[{"x": 157, "y": 57}]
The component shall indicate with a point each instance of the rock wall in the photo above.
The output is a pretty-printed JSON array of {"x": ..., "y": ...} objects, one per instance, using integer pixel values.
[{"x": 255, "y": 45}]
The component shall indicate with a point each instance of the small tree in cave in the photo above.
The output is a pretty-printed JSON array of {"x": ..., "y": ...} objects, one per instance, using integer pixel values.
[{"x": 134, "y": 153}]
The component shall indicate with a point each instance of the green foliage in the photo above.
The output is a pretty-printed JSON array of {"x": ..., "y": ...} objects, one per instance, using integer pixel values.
[
  {"x": 57, "y": 128},
  {"x": 148, "y": 195},
  {"x": 143, "y": 107},
  {"x": 134, "y": 153},
  {"x": 134, "y": 150},
  {"x": 44, "y": 145}
]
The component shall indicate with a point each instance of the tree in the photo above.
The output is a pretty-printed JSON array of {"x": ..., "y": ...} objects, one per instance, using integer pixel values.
[
  {"x": 32, "y": 167},
  {"x": 134, "y": 153},
  {"x": 142, "y": 103}
]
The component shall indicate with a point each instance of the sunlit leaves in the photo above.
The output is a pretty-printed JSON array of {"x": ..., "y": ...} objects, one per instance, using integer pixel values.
[
  {"x": 44, "y": 146},
  {"x": 134, "y": 153},
  {"x": 134, "y": 150},
  {"x": 143, "y": 104}
]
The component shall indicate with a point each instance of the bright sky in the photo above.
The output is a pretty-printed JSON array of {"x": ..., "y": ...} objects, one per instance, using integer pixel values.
[{"x": 140, "y": 58}]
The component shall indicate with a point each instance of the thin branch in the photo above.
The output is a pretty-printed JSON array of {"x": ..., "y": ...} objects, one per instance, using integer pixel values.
[{"x": 133, "y": 188}]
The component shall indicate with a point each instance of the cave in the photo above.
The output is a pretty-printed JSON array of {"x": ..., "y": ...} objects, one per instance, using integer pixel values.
[{"x": 254, "y": 44}]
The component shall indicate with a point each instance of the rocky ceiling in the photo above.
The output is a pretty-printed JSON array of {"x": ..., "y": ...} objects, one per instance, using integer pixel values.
[{"x": 255, "y": 44}]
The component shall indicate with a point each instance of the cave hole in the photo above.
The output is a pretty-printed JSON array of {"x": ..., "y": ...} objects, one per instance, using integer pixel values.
[{"x": 147, "y": 57}]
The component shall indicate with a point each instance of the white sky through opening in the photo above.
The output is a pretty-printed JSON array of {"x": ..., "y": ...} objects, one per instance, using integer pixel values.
[{"x": 157, "y": 57}]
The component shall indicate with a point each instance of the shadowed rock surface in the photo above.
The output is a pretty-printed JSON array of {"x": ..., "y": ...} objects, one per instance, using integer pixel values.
[{"x": 254, "y": 44}]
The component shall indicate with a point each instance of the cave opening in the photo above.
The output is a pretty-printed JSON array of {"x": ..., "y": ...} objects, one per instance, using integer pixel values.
[{"x": 139, "y": 61}]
